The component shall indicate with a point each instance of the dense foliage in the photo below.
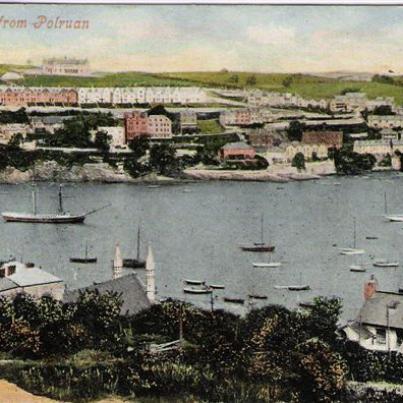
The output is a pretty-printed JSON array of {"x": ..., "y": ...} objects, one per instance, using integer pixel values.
[{"x": 350, "y": 163}]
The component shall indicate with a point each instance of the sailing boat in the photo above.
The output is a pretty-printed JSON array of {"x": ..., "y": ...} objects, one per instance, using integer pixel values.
[
  {"x": 393, "y": 217},
  {"x": 353, "y": 250},
  {"x": 136, "y": 263},
  {"x": 259, "y": 246},
  {"x": 85, "y": 259},
  {"x": 62, "y": 217}
]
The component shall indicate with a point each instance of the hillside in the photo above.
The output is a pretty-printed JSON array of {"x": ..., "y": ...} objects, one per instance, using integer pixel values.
[{"x": 308, "y": 86}]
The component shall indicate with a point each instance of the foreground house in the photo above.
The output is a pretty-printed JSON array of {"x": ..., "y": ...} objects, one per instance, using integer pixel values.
[
  {"x": 379, "y": 323},
  {"x": 17, "y": 277},
  {"x": 135, "y": 295}
]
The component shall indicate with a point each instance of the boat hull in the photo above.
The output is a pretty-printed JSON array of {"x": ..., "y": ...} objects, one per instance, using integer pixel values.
[
  {"x": 83, "y": 260},
  {"x": 234, "y": 300},
  {"x": 43, "y": 219},
  {"x": 195, "y": 291},
  {"x": 258, "y": 248},
  {"x": 134, "y": 264},
  {"x": 267, "y": 265}
]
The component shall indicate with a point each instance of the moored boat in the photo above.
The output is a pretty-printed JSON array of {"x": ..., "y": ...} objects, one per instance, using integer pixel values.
[
  {"x": 194, "y": 282},
  {"x": 61, "y": 217},
  {"x": 85, "y": 259},
  {"x": 135, "y": 263},
  {"x": 217, "y": 286},
  {"x": 357, "y": 268},
  {"x": 259, "y": 246},
  {"x": 234, "y": 300},
  {"x": 193, "y": 290},
  {"x": 267, "y": 264},
  {"x": 385, "y": 263},
  {"x": 257, "y": 296}
]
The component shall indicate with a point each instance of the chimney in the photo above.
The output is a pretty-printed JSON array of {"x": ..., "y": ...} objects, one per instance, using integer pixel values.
[
  {"x": 370, "y": 287},
  {"x": 150, "y": 276},
  {"x": 117, "y": 263}
]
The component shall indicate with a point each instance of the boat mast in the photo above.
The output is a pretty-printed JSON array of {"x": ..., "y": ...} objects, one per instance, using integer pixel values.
[
  {"x": 86, "y": 250},
  {"x": 60, "y": 200},
  {"x": 138, "y": 243},
  {"x": 386, "y": 204},
  {"x": 261, "y": 228},
  {"x": 355, "y": 234},
  {"x": 34, "y": 202}
]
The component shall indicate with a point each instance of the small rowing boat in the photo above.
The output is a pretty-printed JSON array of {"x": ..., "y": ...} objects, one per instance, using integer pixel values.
[
  {"x": 234, "y": 300},
  {"x": 257, "y": 296},
  {"x": 194, "y": 282},
  {"x": 298, "y": 287},
  {"x": 385, "y": 263},
  {"x": 267, "y": 265},
  {"x": 192, "y": 290},
  {"x": 357, "y": 268},
  {"x": 217, "y": 286}
]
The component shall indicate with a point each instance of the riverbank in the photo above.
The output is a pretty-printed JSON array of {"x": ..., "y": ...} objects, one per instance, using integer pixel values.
[{"x": 276, "y": 173}]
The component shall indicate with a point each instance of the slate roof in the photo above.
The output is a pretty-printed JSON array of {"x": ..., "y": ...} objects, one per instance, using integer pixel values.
[
  {"x": 6, "y": 284},
  {"x": 331, "y": 138},
  {"x": 132, "y": 292},
  {"x": 373, "y": 312},
  {"x": 238, "y": 145}
]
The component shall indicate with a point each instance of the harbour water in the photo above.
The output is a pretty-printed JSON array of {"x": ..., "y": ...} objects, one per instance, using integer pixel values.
[{"x": 196, "y": 229}]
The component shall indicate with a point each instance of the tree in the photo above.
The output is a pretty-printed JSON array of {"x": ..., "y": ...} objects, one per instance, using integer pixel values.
[
  {"x": 251, "y": 80},
  {"x": 295, "y": 130},
  {"x": 15, "y": 141},
  {"x": 102, "y": 141},
  {"x": 298, "y": 161},
  {"x": 323, "y": 317},
  {"x": 162, "y": 158},
  {"x": 139, "y": 145},
  {"x": 287, "y": 81},
  {"x": 383, "y": 110},
  {"x": 233, "y": 79}
]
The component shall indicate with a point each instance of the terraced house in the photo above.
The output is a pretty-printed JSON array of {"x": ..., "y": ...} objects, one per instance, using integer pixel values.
[{"x": 140, "y": 124}]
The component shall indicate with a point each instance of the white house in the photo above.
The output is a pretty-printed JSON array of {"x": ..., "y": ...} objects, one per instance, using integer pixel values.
[
  {"x": 379, "y": 323},
  {"x": 115, "y": 133},
  {"x": 385, "y": 121},
  {"x": 17, "y": 277}
]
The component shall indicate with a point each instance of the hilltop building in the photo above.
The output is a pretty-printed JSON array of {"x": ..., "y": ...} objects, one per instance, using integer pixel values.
[
  {"x": 66, "y": 67},
  {"x": 17, "y": 277}
]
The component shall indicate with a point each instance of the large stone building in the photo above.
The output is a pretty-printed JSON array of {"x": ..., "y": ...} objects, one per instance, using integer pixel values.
[
  {"x": 237, "y": 151},
  {"x": 66, "y": 67},
  {"x": 17, "y": 277},
  {"x": 140, "y": 124},
  {"x": 349, "y": 102},
  {"x": 331, "y": 139}
]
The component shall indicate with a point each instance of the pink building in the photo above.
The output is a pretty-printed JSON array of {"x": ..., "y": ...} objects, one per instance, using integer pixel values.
[
  {"x": 139, "y": 124},
  {"x": 237, "y": 151}
]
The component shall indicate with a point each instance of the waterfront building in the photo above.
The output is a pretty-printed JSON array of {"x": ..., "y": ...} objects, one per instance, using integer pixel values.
[
  {"x": 237, "y": 151},
  {"x": 308, "y": 150},
  {"x": 66, "y": 67},
  {"x": 378, "y": 148},
  {"x": 140, "y": 124},
  {"x": 379, "y": 323},
  {"x": 385, "y": 121},
  {"x": 260, "y": 139},
  {"x": 331, "y": 139},
  {"x": 17, "y": 277}
]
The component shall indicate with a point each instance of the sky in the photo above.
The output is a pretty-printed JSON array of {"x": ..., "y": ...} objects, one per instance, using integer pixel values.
[{"x": 158, "y": 38}]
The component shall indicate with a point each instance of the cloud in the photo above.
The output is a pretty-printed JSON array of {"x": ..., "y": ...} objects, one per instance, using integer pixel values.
[{"x": 271, "y": 35}]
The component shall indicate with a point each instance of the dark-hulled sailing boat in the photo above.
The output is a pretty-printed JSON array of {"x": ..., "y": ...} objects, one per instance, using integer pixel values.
[
  {"x": 136, "y": 263},
  {"x": 61, "y": 217},
  {"x": 259, "y": 246},
  {"x": 85, "y": 258}
]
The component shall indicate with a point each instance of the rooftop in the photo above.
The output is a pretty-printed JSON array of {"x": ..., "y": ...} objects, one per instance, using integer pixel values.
[
  {"x": 129, "y": 287},
  {"x": 323, "y": 137},
  {"x": 374, "y": 310},
  {"x": 237, "y": 146}
]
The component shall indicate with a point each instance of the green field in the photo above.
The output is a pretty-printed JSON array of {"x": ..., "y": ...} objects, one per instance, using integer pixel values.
[
  {"x": 209, "y": 126},
  {"x": 308, "y": 86}
]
